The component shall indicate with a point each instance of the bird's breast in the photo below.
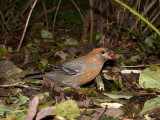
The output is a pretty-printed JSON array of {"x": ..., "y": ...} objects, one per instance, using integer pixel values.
[{"x": 88, "y": 75}]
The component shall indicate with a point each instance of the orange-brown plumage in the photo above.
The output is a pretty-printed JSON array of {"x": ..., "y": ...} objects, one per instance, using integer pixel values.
[{"x": 81, "y": 70}]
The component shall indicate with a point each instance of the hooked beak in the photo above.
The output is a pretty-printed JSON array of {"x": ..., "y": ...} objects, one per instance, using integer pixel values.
[{"x": 111, "y": 54}]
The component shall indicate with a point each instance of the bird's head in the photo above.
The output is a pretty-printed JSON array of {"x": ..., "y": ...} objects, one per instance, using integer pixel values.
[{"x": 102, "y": 54}]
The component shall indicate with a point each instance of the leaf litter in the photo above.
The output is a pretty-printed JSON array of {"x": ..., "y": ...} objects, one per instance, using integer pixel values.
[{"x": 115, "y": 93}]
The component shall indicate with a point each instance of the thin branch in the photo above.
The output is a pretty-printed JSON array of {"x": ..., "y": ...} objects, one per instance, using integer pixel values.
[
  {"x": 101, "y": 114},
  {"x": 4, "y": 21},
  {"x": 86, "y": 26},
  {"x": 46, "y": 16},
  {"x": 44, "y": 13},
  {"x": 139, "y": 15},
  {"x": 26, "y": 7},
  {"x": 137, "y": 66},
  {"x": 148, "y": 7},
  {"x": 154, "y": 13},
  {"x": 8, "y": 7},
  {"x": 19, "y": 46},
  {"x": 137, "y": 6},
  {"x": 155, "y": 17},
  {"x": 92, "y": 21},
  {"x": 56, "y": 16},
  {"x": 78, "y": 9},
  {"x": 39, "y": 16}
]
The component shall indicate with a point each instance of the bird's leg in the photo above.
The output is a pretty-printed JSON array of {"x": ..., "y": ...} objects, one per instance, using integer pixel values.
[{"x": 53, "y": 85}]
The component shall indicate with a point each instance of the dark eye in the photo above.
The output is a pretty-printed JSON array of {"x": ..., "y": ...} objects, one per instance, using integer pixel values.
[{"x": 102, "y": 52}]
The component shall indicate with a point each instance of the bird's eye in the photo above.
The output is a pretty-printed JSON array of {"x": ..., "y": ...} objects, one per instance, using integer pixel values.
[{"x": 102, "y": 52}]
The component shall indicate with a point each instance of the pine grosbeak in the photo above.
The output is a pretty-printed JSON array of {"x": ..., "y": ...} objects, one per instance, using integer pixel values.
[{"x": 81, "y": 70}]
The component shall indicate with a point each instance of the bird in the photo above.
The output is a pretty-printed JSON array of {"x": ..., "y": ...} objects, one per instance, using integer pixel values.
[{"x": 81, "y": 70}]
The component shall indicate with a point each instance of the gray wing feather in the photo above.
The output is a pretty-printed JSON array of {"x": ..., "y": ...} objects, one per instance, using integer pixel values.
[{"x": 70, "y": 68}]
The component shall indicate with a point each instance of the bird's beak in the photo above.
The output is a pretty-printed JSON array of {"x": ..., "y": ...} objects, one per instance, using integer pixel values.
[{"x": 111, "y": 54}]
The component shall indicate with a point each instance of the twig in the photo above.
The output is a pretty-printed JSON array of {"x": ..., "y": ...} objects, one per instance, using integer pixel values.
[
  {"x": 39, "y": 16},
  {"x": 137, "y": 6},
  {"x": 154, "y": 12},
  {"x": 26, "y": 7},
  {"x": 78, "y": 9},
  {"x": 27, "y": 56},
  {"x": 72, "y": 53},
  {"x": 138, "y": 15},
  {"x": 86, "y": 26},
  {"x": 102, "y": 23},
  {"x": 54, "y": 3},
  {"x": 146, "y": 10},
  {"x": 19, "y": 85},
  {"x": 13, "y": 95},
  {"x": 19, "y": 46},
  {"x": 137, "y": 66},
  {"x": 83, "y": 113},
  {"x": 101, "y": 114},
  {"x": 155, "y": 17},
  {"x": 92, "y": 21},
  {"x": 122, "y": 16},
  {"x": 148, "y": 7},
  {"x": 46, "y": 16},
  {"x": 4, "y": 21},
  {"x": 8, "y": 7},
  {"x": 56, "y": 16},
  {"x": 44, "y": 13}
]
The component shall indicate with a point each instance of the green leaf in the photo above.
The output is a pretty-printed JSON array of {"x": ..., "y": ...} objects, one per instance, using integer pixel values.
[
  {"x": 44, "y": 62},
  {"x": 109, "y": 118},
  {"x": 67, "y": 109},
  {"x": 4, "y": 108},
  {"x": 23, "y": 99},
  {"x": 96, "y": 36},
  {"x": 151, "y": 106},
  {"x": 59, "y": 44},
  {"x": 130, "y": 110},
  {"x": 70, "y": 41},
  {"x": 18, "y": 90},
  {"x": 118, "y": 95},
  {"x": 119, "y": 56},
  {"x": 31, "y": 81},
  {"x": 46, "y": 34},
  {"x": 150, "y": 40},
  {"x": 32, "y": 47},
  {"x": 43, "y": 95},
  {"x": 149, "y": 79},
  {"x": 46, "y": 104},
  {"x": 135, "y": 58},
  {"x": 35, "y": 57},
  {"x": 40, "y": 66},
  {"x": 13, "y": 71},
  {"x": 3, "y": 50},
  {"x": 154, "y": 67}
]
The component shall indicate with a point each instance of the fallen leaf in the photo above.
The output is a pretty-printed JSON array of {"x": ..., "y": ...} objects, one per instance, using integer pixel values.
[
  {"x": 32, "y": 109},
  {"x": 111, "y": 105},
  {"x": 46, "y": 34},
  {"x": 70, "y": 41},
  {"x": 151, "y": 106},
  {"x": 118, "y": 95},
  {"x": 3, "y": 49},
  {"x": 45, "y": 112},
  {"x": 149, "y": 79},
  {"x": 84, "y": 103},
  {"x": 67, "y": 109},
  {"x": 61, "y": 54},
  {"x": 111, "y": 112}
]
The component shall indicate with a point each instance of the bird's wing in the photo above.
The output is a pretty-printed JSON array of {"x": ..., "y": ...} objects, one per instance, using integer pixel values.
[{"x": 71, "y": 68}]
